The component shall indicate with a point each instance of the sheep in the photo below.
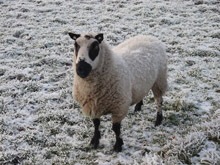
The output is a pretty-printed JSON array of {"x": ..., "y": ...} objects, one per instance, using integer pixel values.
[{"x": 108, "y": 81}]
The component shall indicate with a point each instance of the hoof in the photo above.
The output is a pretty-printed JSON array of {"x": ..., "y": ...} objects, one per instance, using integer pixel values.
[
  {"x": 159, "y": 119},
  {"x": 118, "y": 145},
  {"x": 95, "y": 140},
  {"x": 94, "y": 143}
]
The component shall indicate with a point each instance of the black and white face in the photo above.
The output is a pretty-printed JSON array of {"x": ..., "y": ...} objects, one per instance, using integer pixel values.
[{"x": 86, "y": 52}]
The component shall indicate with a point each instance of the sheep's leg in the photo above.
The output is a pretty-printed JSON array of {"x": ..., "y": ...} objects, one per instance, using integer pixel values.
[
  {"x": 159, "y": 111},
  {"x": 159, "y": 100},
  {"x": 138, "y": 106},
  {"x": 96, "y": 136},
  {"x": 119, "y": 142}
]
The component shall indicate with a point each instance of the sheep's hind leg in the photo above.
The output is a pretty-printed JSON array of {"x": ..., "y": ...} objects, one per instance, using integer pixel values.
[
  {"x": 159, "y": 111},
  {"x": 138, "y": 106},
  {"x": 119, "y": 142},
  {"x": 159, "y": 100},
  {"x": 96, "y": 136}
]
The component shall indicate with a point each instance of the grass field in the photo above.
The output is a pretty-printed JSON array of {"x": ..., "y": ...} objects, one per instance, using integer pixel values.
[{"x": 40, "y": 123}]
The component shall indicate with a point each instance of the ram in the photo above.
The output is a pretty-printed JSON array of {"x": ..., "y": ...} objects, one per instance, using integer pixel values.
[{"x": 108, "y": 81}]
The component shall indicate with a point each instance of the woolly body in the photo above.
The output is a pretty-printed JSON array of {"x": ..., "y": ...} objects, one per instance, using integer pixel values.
[{"x": 123, "y": 76}]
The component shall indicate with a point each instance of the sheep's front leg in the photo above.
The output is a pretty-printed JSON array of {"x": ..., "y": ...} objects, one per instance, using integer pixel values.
[
  {"x": 96, "y": 136},
  {"x": 119, "y": 142}
]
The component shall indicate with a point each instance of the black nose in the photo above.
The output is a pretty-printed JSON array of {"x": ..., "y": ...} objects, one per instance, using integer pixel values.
[{"x": 83, "y": 69}]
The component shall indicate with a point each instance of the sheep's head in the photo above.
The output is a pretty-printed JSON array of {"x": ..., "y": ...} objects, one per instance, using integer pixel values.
[{"x": 86, "y": 52}]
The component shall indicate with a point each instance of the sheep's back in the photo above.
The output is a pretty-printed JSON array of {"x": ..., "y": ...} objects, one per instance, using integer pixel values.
[{"x": 145, "y": 58}]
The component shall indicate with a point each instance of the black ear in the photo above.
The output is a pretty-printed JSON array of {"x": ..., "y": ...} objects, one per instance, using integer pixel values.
[
  {"x": 74, "y": 36},
  {"x": 99, "y": 37}
]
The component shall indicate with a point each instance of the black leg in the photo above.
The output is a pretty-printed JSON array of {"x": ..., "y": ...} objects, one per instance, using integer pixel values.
[
  {"x": 138, "y": 106},
  {"x": 119, "y": 142},
  {"x": 97, "y": 136},
  {"x": 159, "y": 118}
]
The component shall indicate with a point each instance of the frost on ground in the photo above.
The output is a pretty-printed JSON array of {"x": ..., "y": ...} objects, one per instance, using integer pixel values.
[{"x": 40, "y": 123}]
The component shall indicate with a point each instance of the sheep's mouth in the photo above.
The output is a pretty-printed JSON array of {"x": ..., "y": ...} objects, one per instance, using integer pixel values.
[{"x": 83, "y": 69}]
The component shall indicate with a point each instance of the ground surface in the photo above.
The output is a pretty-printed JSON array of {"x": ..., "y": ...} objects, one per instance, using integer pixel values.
[{"x": 40, "y": 123}]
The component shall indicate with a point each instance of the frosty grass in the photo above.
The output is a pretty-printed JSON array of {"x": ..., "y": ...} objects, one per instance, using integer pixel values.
[{"x": 40, "y": 123}]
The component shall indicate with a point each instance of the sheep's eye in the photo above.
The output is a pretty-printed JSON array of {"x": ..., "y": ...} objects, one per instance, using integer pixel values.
[
  {"x": 77, "y": 48},
  {"x": 94, "y": 50}
]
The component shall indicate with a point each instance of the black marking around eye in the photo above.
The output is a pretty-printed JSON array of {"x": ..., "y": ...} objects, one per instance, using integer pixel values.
[
  {"x": 76, "y": 48},
  {"x": 94, "y": 50}
]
